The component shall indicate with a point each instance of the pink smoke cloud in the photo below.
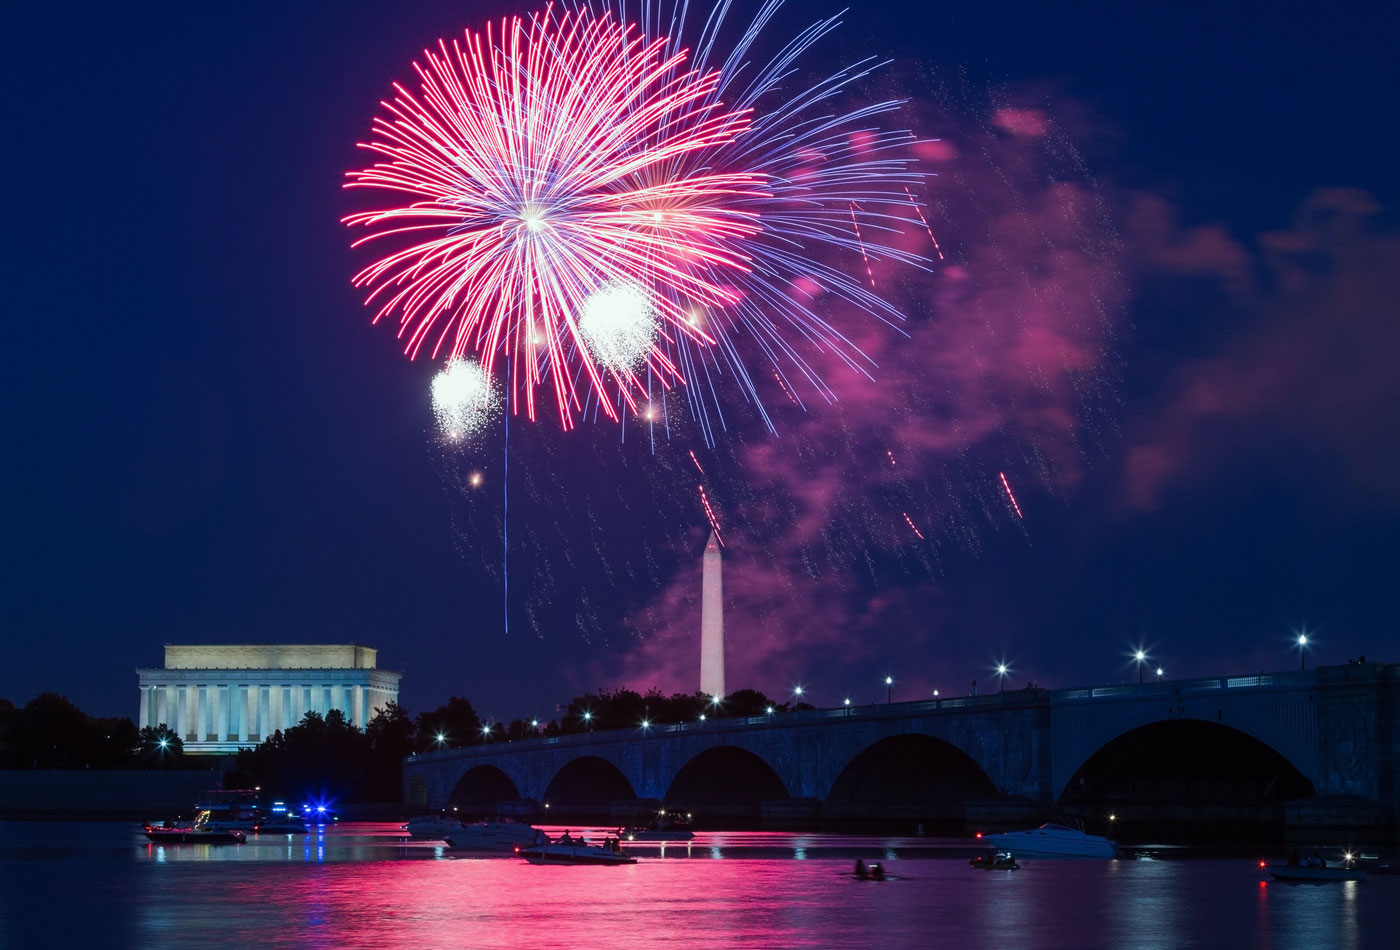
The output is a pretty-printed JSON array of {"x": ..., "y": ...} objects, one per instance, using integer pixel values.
[
  {"x": 1304, "y": 377},
  {"x": 1005, "y": 341}
]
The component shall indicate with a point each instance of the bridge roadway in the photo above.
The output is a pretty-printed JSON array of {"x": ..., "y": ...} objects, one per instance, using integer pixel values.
[{"x": 1335, "y": 725}]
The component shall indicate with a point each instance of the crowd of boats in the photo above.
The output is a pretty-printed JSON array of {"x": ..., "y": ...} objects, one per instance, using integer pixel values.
[{"x": 229, "y": 816}]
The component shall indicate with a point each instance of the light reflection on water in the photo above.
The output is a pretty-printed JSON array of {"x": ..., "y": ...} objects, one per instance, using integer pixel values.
[{"x": 102, "y": 884}]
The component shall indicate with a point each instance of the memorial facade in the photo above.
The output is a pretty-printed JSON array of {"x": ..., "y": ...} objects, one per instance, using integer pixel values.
[{"x": 222, "y": 698}]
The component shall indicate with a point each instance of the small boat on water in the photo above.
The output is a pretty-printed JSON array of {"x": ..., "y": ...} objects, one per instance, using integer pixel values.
[
  {"x": 1053, "y": 841},
  {"x": 1301, "y": 873},
  {"x": 231, "y": 808},
  {"x": 497, "y": 835},
  {"x": 567, "y": 850},
  {"x": 282, "y": 825},
  {"x": 666, "y": 826},
  {"x": 995, "y": 861},
  {"x": 432, "y": 826},
  {"x": 200, "y": 832}
]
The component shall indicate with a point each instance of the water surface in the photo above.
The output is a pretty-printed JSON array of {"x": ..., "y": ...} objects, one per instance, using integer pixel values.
[{"x": 366, "y": 885}]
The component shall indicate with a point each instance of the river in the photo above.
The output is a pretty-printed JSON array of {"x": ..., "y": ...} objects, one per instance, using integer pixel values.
[{"x": 102, "y": 885}]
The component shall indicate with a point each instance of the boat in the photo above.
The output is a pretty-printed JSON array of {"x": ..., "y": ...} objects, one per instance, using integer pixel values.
[
  {"x": 282, "y": 825},
  {"x": 995, "y": 861},
  {"x": 1052, "y": 841},
  {"x": 495, "y": 835},
  {"x": 666, "y": 826},
  {"x": 1299, "y": 873},
  {"x": 200, "y": 832},
  {"x": 231, "y": 808},
  {"x": 432, "y": 826},
  {"x": 567, "y": 850}
]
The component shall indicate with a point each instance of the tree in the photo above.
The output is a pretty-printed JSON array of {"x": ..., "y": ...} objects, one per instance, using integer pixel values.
[
  {"x": 159, "y": 746},
  {"x": 451, "y": 725},
  {"x": 390, "y": 736},
  {"x": 52, "y": 733}
]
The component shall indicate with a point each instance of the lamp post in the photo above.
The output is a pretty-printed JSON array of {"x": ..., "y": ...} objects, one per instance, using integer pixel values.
[
  {"x": 889, "y": 689},
  {"x": 1160, "y": 671},
  {"x": 1002, "y": 670},
  {"x": 1302, "y": 645},
  {"x": 1140, "y": 656}
]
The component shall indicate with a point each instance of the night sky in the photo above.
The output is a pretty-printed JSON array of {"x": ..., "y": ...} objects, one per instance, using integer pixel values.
[{"x": 1166, "y": 313}]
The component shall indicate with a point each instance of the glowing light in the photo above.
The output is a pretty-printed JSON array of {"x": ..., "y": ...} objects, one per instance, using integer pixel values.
[
  {"x": 1009, "y": 494},
  {"x": 710, "y": 514},
  {"x": 848, "y": 701},
  {"x": 462, "y": 399},
  {"x": 910, "y": 522},
  {"x": 770, "y": 710},
  {"x": 548, "y": 157},
  {"x": 618, "y": 324},
  {"x": 475, "y": 479}
]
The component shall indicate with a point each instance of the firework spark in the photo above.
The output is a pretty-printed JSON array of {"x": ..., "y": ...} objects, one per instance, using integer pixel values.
[
  {"x": 710, "y": 514},
  {"x": 910, "y": 522},
  {"x": 462, "y": 399},
  {"x": 547, "y": 161},
  {"x": 1009, "y": 494}
]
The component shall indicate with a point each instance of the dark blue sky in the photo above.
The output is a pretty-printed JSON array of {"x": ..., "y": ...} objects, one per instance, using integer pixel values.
[{"x": 208, "y": 442}]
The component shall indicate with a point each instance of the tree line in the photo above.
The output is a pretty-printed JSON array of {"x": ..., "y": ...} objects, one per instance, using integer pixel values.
[{"x": 327, "y": 758}]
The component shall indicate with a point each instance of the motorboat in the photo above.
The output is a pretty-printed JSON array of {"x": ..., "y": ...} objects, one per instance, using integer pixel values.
[
  {"x": 567, "y": 850},
  {"x": 495, "y": 835},
  {"x": 1052, "y": 841},
  {"x": 995, "y": 861},
  {"x": 1299, "y": 873},
  {"x": 282, "y": 825},
  {"x": 200, "y": 832},
  {"x": 231, "y": 808},
  {"x": 666, "y": 826},
  {"x": 432, "y": 826}
]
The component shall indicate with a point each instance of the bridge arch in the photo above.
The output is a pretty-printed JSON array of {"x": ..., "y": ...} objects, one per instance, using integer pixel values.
[
  {"x": 725, "y": 782},
  {"x": 910, "y": 776},
  {"x": 1286, "y": 725},
  {"x": 586, "y": 787},
  {"x": 1193, "y": 773},
  {"x": 480, "y": 790}
]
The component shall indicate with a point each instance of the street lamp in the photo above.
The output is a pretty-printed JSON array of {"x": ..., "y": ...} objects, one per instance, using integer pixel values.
[
  {"x": 1140, "y": 656},
  {"x": 797, "y": 692},
  {"x": 1160, "y": 671},
  {"x": 588, "y": 720},
  {"x": 1302, "y": 644},
  {"x": 889, "y": 688},
  {"x": 1002, "y": 670},
  {"x": 848, "y": 701},
  {"x": 440, "y": 738}
]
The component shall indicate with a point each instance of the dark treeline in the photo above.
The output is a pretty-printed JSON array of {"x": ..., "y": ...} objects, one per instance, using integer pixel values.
[
  {"x": 49, "y": 732},
  {"x": 325, "y": 758}
]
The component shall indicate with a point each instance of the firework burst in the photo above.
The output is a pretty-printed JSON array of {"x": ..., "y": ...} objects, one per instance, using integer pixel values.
[{"x": 573, "y": 163}]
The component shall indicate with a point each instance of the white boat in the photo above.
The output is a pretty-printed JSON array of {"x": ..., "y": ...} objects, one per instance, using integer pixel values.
[
  {"x": 667, "y": 826},
  {"x": 568, "y": 850},
  {"x": 1316, "y": 874},
  {"x": 282, "y": 825},
  {"x": 495, "y": 836},
  {"x": 432, "y": 826},
  {"x": 1052, "y": 841}
]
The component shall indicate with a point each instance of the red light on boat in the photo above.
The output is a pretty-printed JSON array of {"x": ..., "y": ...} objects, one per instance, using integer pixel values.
[{"x": 979, "y": 834}]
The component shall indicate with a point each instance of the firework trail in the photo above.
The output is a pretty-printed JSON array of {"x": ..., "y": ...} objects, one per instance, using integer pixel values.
[
  {"x": 915, "y": 205},
  {"x": 710, "y": 514},
  {"x": 1007, "y": 485},
  {"x": 697, "y": 462},
  {"x": 574, "y": 163},
  {"x": 910, "y": 522}
]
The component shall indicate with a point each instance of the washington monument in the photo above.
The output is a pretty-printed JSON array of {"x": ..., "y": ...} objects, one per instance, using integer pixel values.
[{"x": 712, "y": 621}]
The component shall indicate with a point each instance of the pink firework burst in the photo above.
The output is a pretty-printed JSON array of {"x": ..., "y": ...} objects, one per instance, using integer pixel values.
[{"x": 582, "y": 207}]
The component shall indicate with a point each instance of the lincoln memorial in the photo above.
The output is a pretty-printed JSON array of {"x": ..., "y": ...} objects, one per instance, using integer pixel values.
[{"x": 223, "y": 698}]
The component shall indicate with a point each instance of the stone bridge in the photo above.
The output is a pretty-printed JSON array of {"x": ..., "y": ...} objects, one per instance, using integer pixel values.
[{"x": 1326, "y": 734}]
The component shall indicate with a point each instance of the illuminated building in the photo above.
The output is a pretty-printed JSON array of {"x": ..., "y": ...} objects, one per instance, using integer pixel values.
[{"x": 219, "y": 699}]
